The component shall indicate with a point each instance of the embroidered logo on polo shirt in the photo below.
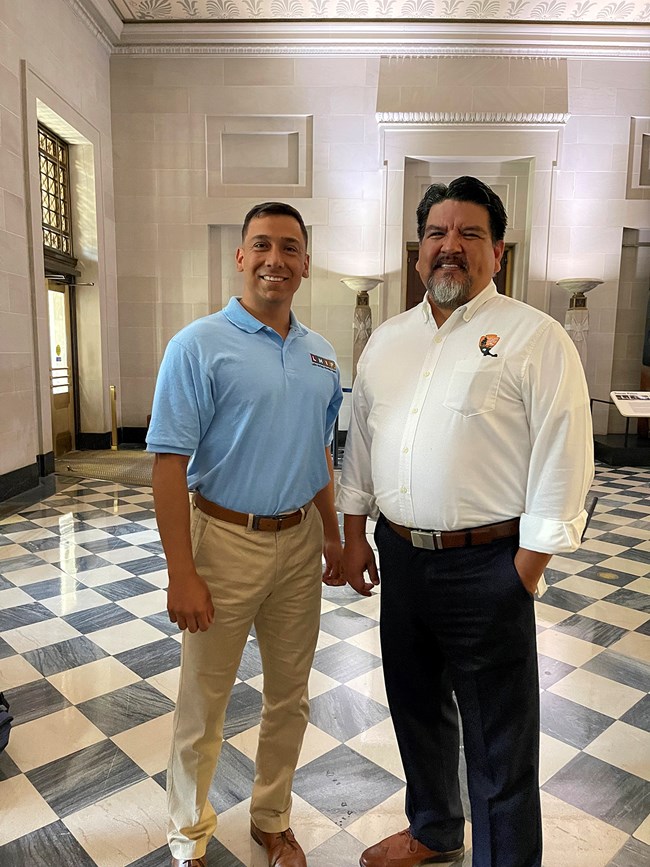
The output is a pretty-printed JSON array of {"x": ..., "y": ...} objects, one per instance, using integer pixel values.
[
  {"x": 488, "y": 342},
  {"x": 319, "y": 361}
]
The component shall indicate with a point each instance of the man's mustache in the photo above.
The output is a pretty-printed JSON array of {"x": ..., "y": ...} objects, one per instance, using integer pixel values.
[{"x": 459, "y": 261}]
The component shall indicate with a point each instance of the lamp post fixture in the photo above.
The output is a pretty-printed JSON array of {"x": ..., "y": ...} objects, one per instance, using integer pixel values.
[
  {"x": 362, "y": 316},
  {"x": 576, "y": 321}
]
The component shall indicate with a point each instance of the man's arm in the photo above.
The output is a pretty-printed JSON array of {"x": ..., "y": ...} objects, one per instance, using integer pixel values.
[
  {"x": 189, "y": 603},
  {"x": 358, "y": 556},
  {"x": 561, "y": 463},
  {"x": 332, "y": 548}
]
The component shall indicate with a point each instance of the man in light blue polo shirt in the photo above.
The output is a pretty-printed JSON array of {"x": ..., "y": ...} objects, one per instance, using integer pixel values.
[{"x": 243, "y": 415}]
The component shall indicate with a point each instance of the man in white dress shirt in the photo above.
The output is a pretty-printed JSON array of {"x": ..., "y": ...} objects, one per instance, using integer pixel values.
[{"x": 470, "y": 441}]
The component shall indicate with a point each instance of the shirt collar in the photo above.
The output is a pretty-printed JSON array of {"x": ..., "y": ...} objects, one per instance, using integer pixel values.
[
  {"x": 468, "y": 310},
  {"x": 239, "y": 316}
]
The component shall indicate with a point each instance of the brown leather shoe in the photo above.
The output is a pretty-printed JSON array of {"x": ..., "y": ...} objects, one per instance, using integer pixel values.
[
  {"x": 283, "y": 850},
  {"x": 193, "y": 862},
  {"x": 403, "y": 850}
]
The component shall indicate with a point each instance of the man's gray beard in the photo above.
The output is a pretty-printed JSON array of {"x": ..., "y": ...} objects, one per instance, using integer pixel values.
[{"x": 449, "y": 294}]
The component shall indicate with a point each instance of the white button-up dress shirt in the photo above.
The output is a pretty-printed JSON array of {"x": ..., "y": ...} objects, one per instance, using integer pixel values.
[{"x": 481, "y": 420}]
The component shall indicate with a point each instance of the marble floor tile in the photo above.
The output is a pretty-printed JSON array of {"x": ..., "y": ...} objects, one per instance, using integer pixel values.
[
  {"x": 78, "y": 780},
  {"x": 634, "y": 645},
  {"x": 33, "y": 574},
  {"x": 639, "y": 715},
  {"x": 95, "y": 619},
  {"x": 152, "y": 658},
  {"x": 606, "y": 611},
  {"x": 117, "y": 591},
  {"x": 92, "y": 679},
  {"x": 625, "y": 747},
  {"x": 233, "y": 780},
  {"x": 342, "y": 848},
  {"x": 371, "y": 684},
  {"x": 641, "y": 585},
  {"x": 549, "y": 615},
  {"x": 344, "y": 712},
  {"x": 103, "y": 576},
  {"x": 126, "y": 707},
  {"x": 642, "y": 833},
  {"x": 612, "y": 795},
  {"x": 624, "y": 564},
  {"x": 570, "y": 722},
  {"x": 54, "y": 658},
  {"x": 50, "y": 737},
  {"x": 551, "y": 670},
  {"x": 80, "y": 600},
  {"x": 344, "y": 623},
  {"x": 126, "y": 553},
  {"x": 37, "y": 635},
  {"x": 571, "y": 833},
  {"x": 344, "y": 784},
  {"x": 166, "y": 682},
  {"x": 586, "y": 587},
  {"x": 16, "y": 671},
  {"x": 597, "y": 692},
  {"x": 140, "y": 813},
  {"x": 554, "y": 754},
  {"x": 368, "y": 641},
  {"x": 13, "y": 597},
  {"x": 23, "y": 811},
  {"x": 148, "y": 744},
  {"x": 616, "y": 666},
  {"x": 567, "y": 648},
  {"x": 320, "y": 683},
  {"x": 589, "y": 629},
  {"x": 126, "y": 636},
  {"x": 244, "y": 710},
  {"x": 34, "y": 699},
  {"x": 378, "y": 744},
  {"x": 343, "y": 662},
  {"x": 632, "y": 853},
  {"x": 149, "y": 602}
]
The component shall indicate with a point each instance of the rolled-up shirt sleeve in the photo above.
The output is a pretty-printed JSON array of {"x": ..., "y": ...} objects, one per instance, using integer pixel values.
[
  {"x": 561, "y": 467},
  {"x": 355, "y": 494}
]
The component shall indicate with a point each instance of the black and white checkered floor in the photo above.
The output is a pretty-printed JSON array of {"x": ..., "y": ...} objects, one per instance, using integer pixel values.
[{"x": 89, "y": 663}]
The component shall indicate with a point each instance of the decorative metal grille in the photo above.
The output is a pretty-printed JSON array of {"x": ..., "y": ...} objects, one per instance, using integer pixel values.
[{"x": 55, "y": 191}]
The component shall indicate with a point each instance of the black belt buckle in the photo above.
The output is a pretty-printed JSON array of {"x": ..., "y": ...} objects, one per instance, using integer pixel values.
[
  {"x": 255, "y": 522},
  {"x": 429, "y": 540}
]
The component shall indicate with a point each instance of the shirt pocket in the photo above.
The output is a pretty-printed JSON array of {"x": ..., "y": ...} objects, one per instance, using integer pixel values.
[{"x": 474, "y": 386}]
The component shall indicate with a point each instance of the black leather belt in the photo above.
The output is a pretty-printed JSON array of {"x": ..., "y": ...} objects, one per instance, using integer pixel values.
[
  {"x": 267, "y": 523},
  {"x": 436, "y": 540}
]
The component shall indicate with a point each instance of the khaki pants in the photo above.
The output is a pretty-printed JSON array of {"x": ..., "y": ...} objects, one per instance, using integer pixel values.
[{"x": 274, "y": 581}]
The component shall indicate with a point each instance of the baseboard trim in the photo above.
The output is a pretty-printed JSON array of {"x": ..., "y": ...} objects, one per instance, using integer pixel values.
[{"x": 17, "y": 481}]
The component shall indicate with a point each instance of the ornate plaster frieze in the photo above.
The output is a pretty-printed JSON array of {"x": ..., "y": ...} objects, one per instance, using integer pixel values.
[
  {"x": 409, "y": 10},
  {"x": 444, "y": 118}
]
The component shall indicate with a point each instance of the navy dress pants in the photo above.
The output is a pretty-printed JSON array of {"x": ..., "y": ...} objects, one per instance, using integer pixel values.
[{"x": 461, "y": 620}]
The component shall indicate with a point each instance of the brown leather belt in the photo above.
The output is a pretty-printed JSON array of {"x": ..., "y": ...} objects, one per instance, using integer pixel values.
[
  {"x": 268, "y": 523},
  {"x": 436, "y": 540}
]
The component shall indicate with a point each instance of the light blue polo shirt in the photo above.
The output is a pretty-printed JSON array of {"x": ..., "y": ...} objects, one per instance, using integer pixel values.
[{"x": 253, "y": 411}]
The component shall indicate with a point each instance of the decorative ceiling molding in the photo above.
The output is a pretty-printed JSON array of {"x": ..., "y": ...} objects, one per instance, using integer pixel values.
[
  {"x": 579, "y": 11},
  {"x": 445, "y": 118},
  {"x": 387, "y": 38},
  {"x": 100, "y": 19}
]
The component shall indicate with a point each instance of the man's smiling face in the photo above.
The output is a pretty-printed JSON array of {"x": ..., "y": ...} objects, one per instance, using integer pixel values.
[
  {"x": 273, "y": 260},
  {"x": 458, "y": 257}
]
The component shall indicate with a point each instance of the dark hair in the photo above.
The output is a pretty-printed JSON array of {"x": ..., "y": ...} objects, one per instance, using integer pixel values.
[
  {"x": 274, "y": 208},
  {"x": 465, "y": 189}
]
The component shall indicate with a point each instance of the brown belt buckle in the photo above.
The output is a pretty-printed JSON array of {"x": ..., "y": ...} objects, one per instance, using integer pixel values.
[
  {"x": 254, "y": 523},
  {"x": 429, "y": 541}
]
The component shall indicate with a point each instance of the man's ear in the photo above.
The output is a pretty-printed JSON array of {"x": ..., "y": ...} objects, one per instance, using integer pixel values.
[
  {"x": 239, "y": 259},
  {"x": 499, "y": 247},
  {"x": 305, "y": 270}
]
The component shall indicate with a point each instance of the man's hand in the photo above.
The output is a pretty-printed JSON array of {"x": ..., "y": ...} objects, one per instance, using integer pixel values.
[
  {"x": 358, "y": 558},
  {"x": 530, "y": 565},
  {"x": 189, "y": 603},
  {"x": 333, "y": 554}
]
